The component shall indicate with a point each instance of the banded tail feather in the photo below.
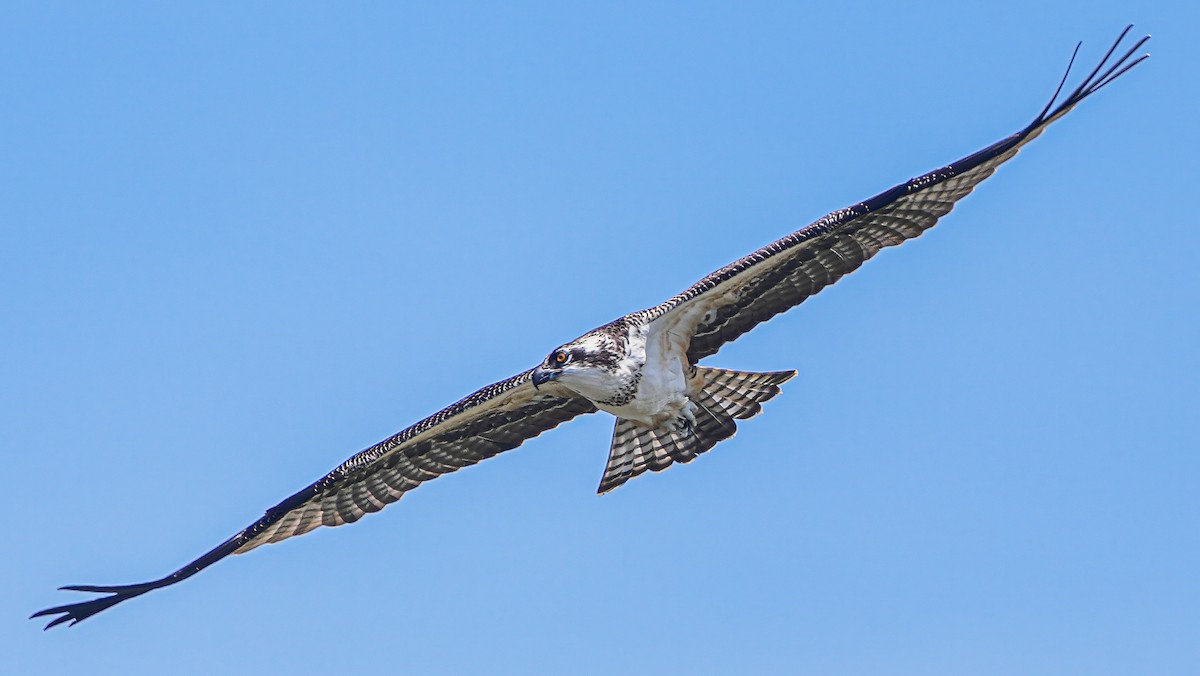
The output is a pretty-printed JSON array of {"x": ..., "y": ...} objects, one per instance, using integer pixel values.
[
  {"x": 603, "y": 369},
  {"x": 722, "y": 396}
]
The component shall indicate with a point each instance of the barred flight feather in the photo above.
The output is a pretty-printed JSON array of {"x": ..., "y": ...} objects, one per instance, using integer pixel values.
[{"x": 712, "y": 312}]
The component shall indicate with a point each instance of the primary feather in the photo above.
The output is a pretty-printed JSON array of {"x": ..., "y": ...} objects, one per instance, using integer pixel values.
[{"x": 641, "y": 367}]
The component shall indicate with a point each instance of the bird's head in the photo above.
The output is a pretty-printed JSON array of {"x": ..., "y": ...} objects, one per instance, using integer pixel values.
[{"x": 582, "y": 365}]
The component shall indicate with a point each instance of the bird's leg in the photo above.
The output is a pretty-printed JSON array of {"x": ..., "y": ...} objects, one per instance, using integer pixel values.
[{"x": 685, "y": 424}]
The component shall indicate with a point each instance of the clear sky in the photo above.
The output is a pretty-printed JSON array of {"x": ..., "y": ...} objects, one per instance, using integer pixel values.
[{"x": 239, "y": 244}]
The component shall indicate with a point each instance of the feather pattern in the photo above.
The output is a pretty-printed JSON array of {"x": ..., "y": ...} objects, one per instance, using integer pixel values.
[
  {"x": 684, "y": 329},
  {"x": 720, "y": 397},
  {"x": 494, "y": 419},
  {"x": 783, "y": 274}
]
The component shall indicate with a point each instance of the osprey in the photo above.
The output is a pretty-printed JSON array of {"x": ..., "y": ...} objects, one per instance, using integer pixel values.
[{"x": 642, "y": 368}]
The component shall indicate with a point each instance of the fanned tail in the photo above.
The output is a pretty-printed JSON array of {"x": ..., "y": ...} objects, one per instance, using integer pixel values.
[{"x": 722, "y": 396}]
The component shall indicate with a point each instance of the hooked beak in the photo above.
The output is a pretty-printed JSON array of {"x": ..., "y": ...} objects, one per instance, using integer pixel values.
[{"x": 541, "y": 376}]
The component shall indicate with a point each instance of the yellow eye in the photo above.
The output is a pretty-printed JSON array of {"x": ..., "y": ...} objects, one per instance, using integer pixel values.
[{"x": 560, "y": 358}]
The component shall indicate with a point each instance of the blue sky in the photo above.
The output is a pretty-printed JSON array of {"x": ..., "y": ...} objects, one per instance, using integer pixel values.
[{"x": 238, "y": 244}]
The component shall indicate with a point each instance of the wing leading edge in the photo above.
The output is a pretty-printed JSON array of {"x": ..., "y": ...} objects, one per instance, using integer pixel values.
[
  {"x": 783, "y": 274},
  {"x": 495, "y": 419},
  {"x": 714, "y": 311}
]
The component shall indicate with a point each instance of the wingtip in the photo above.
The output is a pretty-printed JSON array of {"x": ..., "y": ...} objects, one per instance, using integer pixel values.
[
  {"x": 1095, "y": 81},
  {"x": 77, "y": 612},
  {"x": 96, "y": 588},
  {"x": 65, "y": 616},
  {"x": 54, "y": 623}
]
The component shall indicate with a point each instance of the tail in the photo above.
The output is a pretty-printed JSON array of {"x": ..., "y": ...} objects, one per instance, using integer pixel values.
[{"x": 722, "y": 397}]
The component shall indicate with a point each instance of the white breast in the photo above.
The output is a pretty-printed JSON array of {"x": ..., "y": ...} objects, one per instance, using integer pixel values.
[{"x": 662, "y": 389}]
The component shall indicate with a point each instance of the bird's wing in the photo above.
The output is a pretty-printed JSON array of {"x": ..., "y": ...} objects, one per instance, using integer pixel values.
[
  {"x": 497, "y": 418},
  {"x": 781, "y": 275}
]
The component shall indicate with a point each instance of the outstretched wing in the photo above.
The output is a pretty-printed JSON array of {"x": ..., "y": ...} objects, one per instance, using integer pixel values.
[
  {"x": 738, "y": 297},
  {"x": 497, "y": 418}
]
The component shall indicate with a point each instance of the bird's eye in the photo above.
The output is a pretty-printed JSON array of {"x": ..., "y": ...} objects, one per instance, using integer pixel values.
[{"x": 560, "y": 358}]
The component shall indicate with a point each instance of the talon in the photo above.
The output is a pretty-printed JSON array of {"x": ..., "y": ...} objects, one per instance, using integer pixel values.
[
  {"x": 686, "y": 428},
  {"x": 685, "y": 424}
]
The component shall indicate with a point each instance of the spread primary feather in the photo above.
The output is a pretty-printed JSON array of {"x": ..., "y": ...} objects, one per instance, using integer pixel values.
[{"x": 642, "y": 368}]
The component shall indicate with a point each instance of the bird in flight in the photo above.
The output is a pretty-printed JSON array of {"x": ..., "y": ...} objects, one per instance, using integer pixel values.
[{"x": 642, "y": 368}]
